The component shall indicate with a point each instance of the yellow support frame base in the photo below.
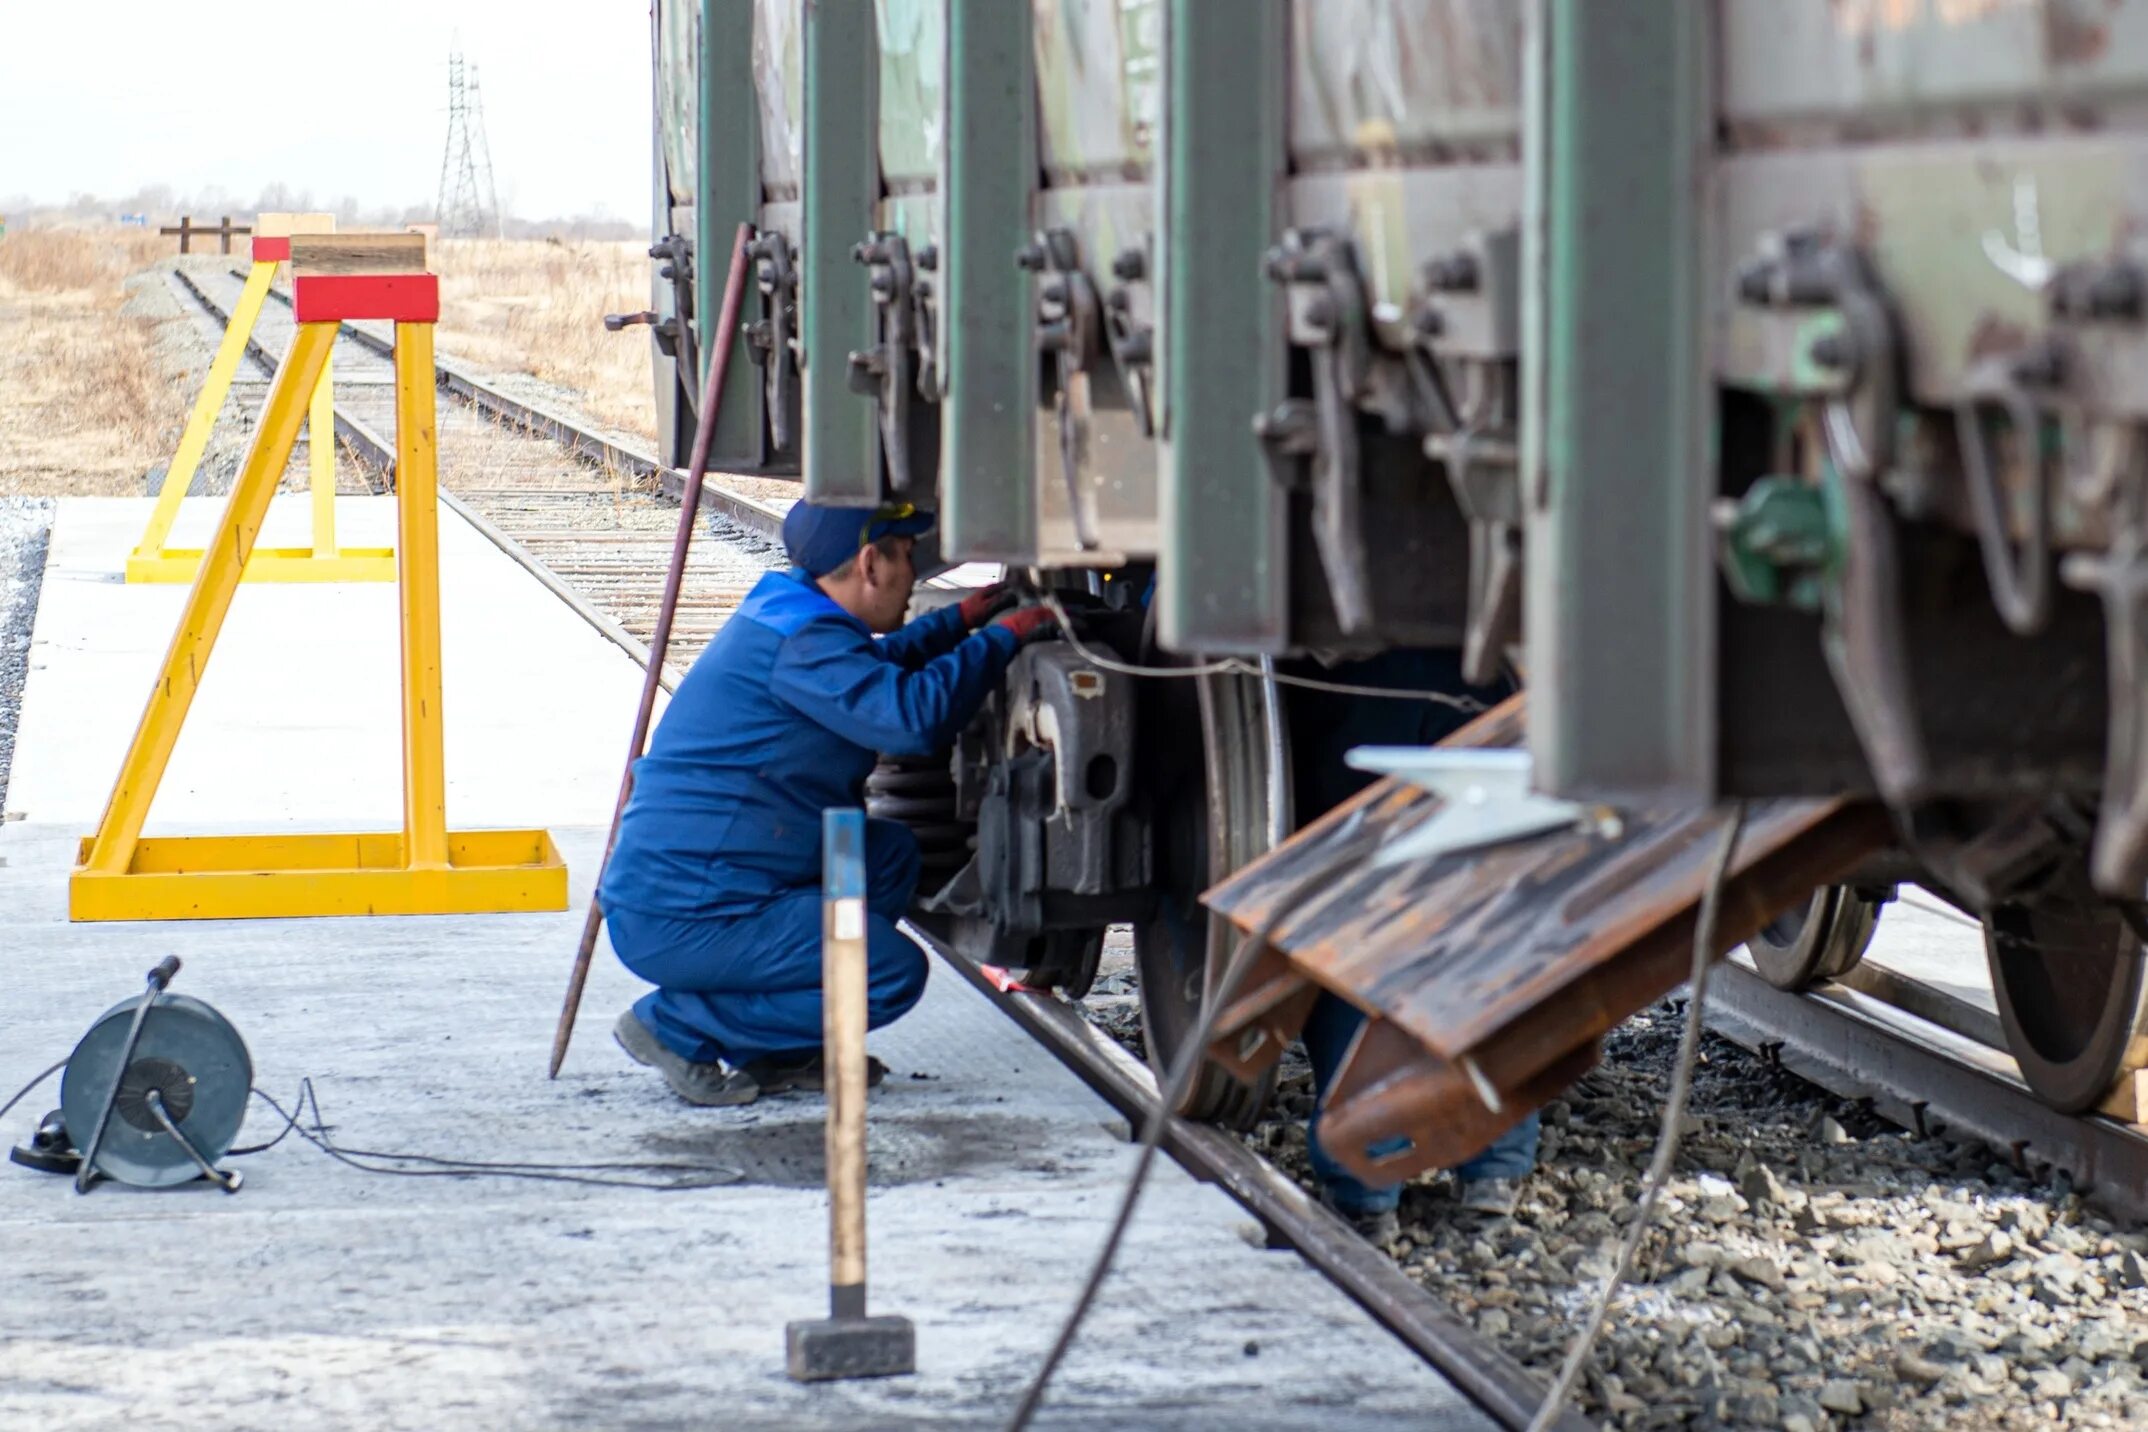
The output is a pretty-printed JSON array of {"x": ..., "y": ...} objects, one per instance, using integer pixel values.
[
  {"x": 176, "y": 565},
  {"x": 219, "y": 877}
]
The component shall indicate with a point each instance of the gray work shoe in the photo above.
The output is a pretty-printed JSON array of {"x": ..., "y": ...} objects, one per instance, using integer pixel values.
[
  {"x": 808, "y": 1072},
  {"x": 1492, "y": 1197},
  {"x": 1379, "y": 1227},
  {"x": 711, "y": 1085}
]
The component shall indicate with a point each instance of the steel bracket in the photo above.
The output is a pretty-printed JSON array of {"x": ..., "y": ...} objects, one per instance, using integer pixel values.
[
  {"x": 1331, "y": 319},
  {"x": 1070, "y": 336},
  {"x": 889, "y": 371},
  {"x": 1131, "y": 332},
  {"x": 771, "y": 340}
]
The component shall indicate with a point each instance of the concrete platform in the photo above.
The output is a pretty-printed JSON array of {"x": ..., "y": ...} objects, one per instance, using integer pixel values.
[{"x": 325, "y": 1297}]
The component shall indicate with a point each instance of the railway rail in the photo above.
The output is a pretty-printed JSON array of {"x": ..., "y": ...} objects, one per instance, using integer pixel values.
[
  {"x": 590, "y": 515},
  {"x": 1922, "y": 1075}
]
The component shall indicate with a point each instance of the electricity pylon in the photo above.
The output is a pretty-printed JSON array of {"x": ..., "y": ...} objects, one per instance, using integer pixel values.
[{"x": 468, "y": 206}]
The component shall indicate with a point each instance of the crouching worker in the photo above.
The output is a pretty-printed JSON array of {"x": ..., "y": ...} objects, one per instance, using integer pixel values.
[{"x": 713, "y": 890}]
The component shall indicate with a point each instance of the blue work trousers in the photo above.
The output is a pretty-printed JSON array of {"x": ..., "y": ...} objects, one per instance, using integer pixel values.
[
  {"x": 739, "y": 987},
  {"x": 1328, "y": 1032}
]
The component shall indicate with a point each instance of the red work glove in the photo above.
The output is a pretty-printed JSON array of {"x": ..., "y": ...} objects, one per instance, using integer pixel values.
[
  {"x": 1027, "y": 624},
  {"x": 979, "y": 606}
]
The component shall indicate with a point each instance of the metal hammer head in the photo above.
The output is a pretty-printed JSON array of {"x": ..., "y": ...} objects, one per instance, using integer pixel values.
[{"x": 829, "y": 1349}]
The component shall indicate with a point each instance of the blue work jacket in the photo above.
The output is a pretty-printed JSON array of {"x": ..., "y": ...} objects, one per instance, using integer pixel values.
[{"x": 781, "y": 718}]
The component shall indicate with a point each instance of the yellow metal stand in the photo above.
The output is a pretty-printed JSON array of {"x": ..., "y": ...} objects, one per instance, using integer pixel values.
[
  {"x": 152, "y": 561},
  {"x": 421, "y": 869}
]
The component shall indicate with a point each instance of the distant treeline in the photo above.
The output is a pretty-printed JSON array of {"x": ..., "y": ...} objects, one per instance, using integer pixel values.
[{"x": 159, "y": 204}]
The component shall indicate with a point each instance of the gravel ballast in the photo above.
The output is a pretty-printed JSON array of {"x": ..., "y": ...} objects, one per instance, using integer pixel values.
[{"x": 1812, "y": 1267}]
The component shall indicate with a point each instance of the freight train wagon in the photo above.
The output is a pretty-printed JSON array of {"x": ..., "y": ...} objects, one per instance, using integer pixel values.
[{"x": 1764, "y": 378}]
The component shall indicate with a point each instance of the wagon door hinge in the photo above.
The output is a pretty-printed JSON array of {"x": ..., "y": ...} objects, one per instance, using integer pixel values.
[
  {"x": 924, "y": 294},
  {"x": 888, "y": 372},
  {"x": 1130, "y": 331},
  {"x": 1816, "y": 303},
  {"x": 675, "y": 255},
  {"x": 1329, "y": 317},
  {"x": 772, "y": 338},
  {"x": 1462, "y": 367},
  {"x": 1070, "y": 335}
]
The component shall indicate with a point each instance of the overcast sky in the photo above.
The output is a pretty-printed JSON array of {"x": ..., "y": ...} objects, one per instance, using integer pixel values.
[{"x": 339, "y": 97}]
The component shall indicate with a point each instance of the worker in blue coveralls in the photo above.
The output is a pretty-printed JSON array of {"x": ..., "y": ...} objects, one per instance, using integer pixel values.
[
  {"x": 712, "y": 892},
  {"x": 1324, "y": 725}
]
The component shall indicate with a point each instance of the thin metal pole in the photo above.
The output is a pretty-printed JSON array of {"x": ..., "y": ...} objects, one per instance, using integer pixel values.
[{"x": 734, "y": 293}]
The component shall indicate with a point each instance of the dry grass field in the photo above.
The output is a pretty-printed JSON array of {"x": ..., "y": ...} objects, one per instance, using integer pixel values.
[
  {"x": 89, "y": 402},
  {"x": 85, "y": 406},
  {"x": 537, "y": 306}
]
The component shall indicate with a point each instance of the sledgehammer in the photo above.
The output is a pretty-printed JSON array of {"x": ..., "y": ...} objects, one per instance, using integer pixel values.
[{"x": 846, "y": 1343}]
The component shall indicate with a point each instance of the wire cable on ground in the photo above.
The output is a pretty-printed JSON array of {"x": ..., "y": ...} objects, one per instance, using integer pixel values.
[
  {"x": 384, "y": 1161},
  {"x": 24, "y": 1092},
  {"x": 1667, "y": 1141},
  {"x": 1233, "y": 666},
  {"x": 1351, "y": 841}
]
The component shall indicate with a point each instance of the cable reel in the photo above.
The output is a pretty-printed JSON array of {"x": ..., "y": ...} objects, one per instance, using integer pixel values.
[{"x": 159, "y": 1085}]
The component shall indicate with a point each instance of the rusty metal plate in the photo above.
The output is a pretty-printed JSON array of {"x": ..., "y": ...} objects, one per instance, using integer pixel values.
[{"x": 1492, "y": 975}]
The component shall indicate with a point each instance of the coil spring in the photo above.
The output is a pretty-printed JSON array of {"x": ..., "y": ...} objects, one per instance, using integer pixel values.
[{"x": 920, "y": 793}]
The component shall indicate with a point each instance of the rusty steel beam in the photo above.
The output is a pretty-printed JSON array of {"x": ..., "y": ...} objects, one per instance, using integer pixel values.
[{"x": 1491, "y": 976}]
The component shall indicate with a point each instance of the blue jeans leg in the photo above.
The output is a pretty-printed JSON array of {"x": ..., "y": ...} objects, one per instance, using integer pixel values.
[
  {"x": 738, "y": 987},
  {"x": 1328, "y": 1032},
  {"x": 1511, "y": 1155}
]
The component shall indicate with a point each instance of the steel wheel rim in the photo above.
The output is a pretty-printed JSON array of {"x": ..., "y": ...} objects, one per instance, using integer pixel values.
[
  {"x": 1822, "y": 939},
  {"x": 1181, "y": 949},
  {"x": 2067, "y": 973}
]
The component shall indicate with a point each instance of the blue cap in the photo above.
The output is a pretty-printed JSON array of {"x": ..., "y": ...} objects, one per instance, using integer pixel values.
[{"x": 820, "y": 539}]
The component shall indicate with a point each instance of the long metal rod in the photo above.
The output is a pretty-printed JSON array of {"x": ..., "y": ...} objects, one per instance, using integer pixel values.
[{"x": 689, "y": 518}]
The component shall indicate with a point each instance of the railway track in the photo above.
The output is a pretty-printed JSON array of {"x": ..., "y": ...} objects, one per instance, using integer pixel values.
[
  {"x": 591, "y": 518},
  {"x": 591, "y": 515}
]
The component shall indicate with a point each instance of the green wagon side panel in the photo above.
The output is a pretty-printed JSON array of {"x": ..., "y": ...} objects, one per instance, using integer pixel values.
[
  {"x": 1875, "y": 66},
  {"x": 678, "y": 41},
  {"x": 842, "y": 189},
  {"x": 1619, "y": 611},
  {"x": 729, "y": 176},
  {"x": 913, "y": 60},
  {"x": 987, "y": 472},
  {"x": 1221, "y": 584},
  {"x": 1382, "y": 81},
  {"x": 1098, "y": 67},
  {"x": 779, "y": 87}
]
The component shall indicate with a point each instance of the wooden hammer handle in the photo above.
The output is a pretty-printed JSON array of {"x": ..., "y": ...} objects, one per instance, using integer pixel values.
[{"x": 843, "y": 1016}]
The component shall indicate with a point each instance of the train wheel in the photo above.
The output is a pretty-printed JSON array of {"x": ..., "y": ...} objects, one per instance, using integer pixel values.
[
  {"x": 1819, "y": 940},
  {"x": 1210, "y": 777},
  {"x": 1064, "y": 960},
  {"x": 2067, "y": 967}
]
